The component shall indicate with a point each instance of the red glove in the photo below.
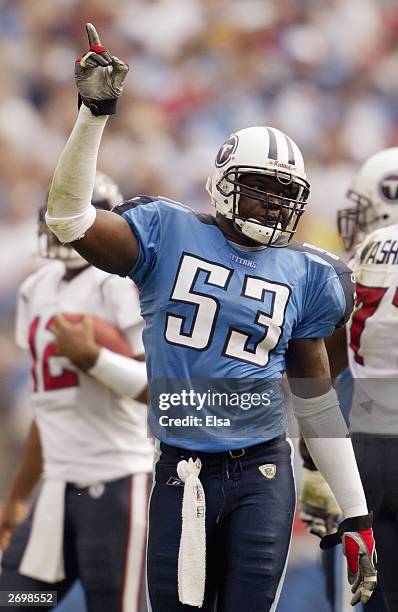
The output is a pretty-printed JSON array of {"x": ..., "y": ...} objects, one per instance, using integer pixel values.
[{"x": 356, "y": 534}]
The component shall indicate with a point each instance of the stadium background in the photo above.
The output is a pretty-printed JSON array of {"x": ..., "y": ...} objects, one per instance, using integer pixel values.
[{"x": 324, "y": 71}]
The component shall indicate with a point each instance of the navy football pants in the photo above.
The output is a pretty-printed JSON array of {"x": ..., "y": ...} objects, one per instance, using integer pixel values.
[{"x": 249, "y": 520}]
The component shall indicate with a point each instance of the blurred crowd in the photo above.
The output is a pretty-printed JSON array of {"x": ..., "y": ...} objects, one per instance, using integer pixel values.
[{"x": 324, "y": 71}]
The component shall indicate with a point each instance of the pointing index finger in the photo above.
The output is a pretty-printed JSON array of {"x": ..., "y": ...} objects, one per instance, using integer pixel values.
[{"x": 92, "y": 34}]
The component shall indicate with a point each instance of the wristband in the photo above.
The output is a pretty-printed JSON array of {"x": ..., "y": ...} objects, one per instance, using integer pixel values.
[
  {"x": 123, "y": 375},
  {"x": 99, "y": 107}
]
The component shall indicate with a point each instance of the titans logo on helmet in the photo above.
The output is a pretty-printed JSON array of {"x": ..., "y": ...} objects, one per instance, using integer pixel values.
[
  {"x": 389, "y": 187},
  {"x": 227, "y": 149}
]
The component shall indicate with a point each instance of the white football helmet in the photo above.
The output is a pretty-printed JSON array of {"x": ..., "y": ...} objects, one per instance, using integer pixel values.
[
  {"x": 106, "y": 195},
  {"x": 374, "y": 190},
  {"x": 266, "y": 151}
]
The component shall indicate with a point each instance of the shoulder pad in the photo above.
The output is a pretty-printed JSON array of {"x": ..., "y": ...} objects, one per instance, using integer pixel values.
[
  {"x": 334, "y": 260},
  {"x": 133, "y": 203},
  {"x": 206, "y": 218},
  {"x": 344, "y": 273}
]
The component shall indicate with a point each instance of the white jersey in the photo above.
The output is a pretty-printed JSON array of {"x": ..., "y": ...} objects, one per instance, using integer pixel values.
[
  {"x": 373, "y": 334},
  {"x": 88, "y": 433}
]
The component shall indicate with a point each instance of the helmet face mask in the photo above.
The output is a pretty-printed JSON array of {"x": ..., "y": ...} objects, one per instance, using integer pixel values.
[
  {"x": 374, "y": 191},
  {"x": 106, "y": 195},
  {"x": 279, "y": 184},
  {"x": 355, "y": 222},
  {"x": 279, "y": 198}
]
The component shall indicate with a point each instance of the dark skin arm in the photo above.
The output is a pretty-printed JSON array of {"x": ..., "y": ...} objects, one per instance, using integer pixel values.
[
  {"x": 109, "y": 244},
  {"x": 27, "y": 475},
  {"x": 307, "y": 367},
  {"x": 336, "y": 346}
]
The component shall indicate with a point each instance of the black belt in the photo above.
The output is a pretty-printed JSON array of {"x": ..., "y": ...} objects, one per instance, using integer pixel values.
[{"x": 236, "y": 453}]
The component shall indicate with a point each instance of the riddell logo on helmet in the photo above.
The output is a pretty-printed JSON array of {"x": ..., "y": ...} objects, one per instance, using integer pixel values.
[{"x": 282, "y": 165}]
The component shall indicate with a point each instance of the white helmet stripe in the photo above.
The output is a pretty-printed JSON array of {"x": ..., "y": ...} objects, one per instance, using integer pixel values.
[
  {"x": 290, "y": 150},
  {"x": 298, "y": 161},
  {"x": 272, "y": 144},
  {"x": 281, "y": 147}
]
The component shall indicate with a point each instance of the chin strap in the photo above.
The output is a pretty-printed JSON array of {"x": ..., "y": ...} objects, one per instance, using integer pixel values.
[{"x": 260, "y": 233}]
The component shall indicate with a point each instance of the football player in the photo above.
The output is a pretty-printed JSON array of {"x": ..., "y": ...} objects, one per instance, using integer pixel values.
[
  {"x": 230, "y": 303},
  {"x": 88, "y": 440},
  {"x": 371, "y": 342}
]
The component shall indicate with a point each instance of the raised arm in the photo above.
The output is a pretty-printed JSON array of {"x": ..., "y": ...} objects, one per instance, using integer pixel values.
[{"x": 101, "y": 237}]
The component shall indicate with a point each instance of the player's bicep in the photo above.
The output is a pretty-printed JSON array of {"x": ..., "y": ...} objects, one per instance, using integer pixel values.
[
  {"x": 109, "y": 244},
  {"x": 336, "y": 346},
  {"x": 307, "y": 367}
]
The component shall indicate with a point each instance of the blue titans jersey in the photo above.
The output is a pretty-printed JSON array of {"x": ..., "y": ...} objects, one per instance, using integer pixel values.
[{"x": 218, "y": 322}]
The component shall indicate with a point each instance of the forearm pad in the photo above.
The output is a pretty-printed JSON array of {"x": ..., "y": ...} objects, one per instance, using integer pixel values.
[
  {"x": 326, "y": 437},
  {"x": 69, "y": 210}
]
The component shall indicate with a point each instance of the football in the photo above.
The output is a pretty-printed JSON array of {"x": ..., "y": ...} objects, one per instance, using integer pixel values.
[{"x": 106, "y": 334}]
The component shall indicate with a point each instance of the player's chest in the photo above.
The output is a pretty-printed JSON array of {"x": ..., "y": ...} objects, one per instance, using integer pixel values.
[
  {"x": 226, "y": 300},
  {"x": 239, "y": 283}
]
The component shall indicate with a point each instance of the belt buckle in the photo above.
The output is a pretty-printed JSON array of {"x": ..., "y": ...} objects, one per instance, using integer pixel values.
[{"x": 240, "y": 452}]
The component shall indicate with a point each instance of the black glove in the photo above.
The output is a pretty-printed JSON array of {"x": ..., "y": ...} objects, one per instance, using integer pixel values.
[{"x": 99, "y": 76}]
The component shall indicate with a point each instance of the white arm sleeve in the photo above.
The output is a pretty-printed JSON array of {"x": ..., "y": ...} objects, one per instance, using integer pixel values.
[
  {"x": 325, "y": 434},
  {"x": 124, "y": 376},
  {"x": 69, "y": 210}
]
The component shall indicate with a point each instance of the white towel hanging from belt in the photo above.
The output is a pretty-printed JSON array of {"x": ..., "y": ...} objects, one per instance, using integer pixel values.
[{"x": 192, "y": 553}]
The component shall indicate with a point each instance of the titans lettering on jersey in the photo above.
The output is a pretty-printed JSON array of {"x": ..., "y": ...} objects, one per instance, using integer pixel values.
[{"x": 215, "y": 313}]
